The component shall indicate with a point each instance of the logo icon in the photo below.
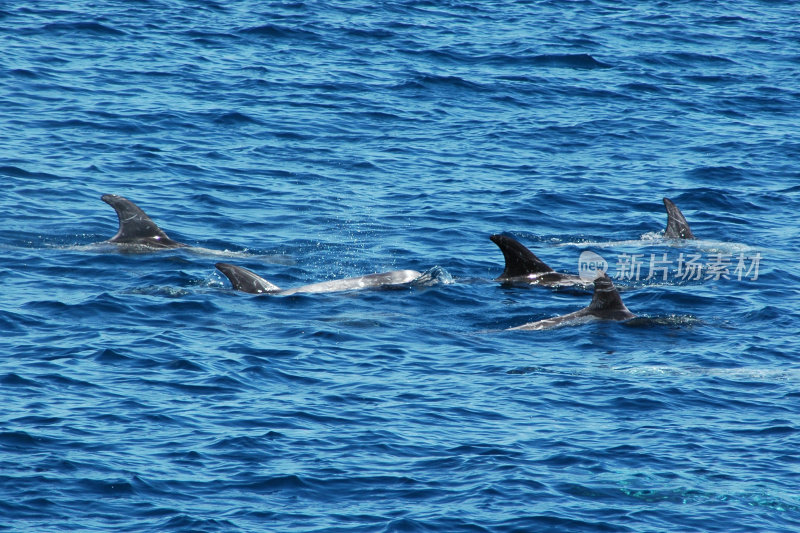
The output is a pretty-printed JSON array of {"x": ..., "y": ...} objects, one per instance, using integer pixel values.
[{"x": 591, "y": 265}]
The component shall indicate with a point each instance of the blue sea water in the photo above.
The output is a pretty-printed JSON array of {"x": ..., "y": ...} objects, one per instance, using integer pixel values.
[{"x": 314, "y": 140}]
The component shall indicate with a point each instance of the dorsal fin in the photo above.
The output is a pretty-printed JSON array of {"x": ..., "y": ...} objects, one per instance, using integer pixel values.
[
  {"x": 606, "y": 302},
  {"x": 677, "y": 227},
  {"x": 135, "y": 227},
  {"x": 245, "y": 280},
  {"x": 519, "y": 260}
]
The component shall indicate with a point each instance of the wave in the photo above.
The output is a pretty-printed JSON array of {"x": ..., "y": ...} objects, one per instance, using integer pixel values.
[
  {"x": 573, "y": 61},
  {"x": 18, "y": 172},
  {"x": 94, "y": 28},
  {"x": 427, "y": 81},
  {"x": 280, "y": 32}
]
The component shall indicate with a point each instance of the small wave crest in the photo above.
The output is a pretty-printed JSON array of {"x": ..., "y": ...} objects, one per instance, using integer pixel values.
[
  {"x": 82, "y": 27},
  {"x": 279, "y": 32},
  {"x": 576, "y": 61}
]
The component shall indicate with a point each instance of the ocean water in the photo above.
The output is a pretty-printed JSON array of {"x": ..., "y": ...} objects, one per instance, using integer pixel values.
[{"x": 315, "y": 140}]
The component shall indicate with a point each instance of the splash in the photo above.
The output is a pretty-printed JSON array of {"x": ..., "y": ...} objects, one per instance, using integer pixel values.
[{"x": 434, "y": 276}]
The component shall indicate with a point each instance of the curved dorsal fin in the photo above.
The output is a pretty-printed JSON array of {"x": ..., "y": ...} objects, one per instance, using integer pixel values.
[
  {"x": 677, "y": 227},
  {"x": 606, "y": 302},
  {"x": 245, "y": 280},
  {"x": 135, "y": 227},
  {"x": 605, "y": 294},
  {"x": 519, "y": 260}
]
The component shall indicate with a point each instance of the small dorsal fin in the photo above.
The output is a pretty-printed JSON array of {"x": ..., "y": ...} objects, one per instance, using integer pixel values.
[
  {"x": 135, "y": 227},
  {"x": 677, "y": 227},
  {"x": 245, "y": 280},
  {"x": 606, "y": 301},
  {"x": 519, "y": 260}
]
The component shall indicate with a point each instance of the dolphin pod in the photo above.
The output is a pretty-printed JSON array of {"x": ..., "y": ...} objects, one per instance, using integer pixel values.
[
  {"x": 138, "y": 229},
  {"x": 521, "y": 266}
]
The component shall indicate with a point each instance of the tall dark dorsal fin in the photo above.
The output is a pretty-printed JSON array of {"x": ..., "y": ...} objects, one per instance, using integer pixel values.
[
  {"x": 245, "y": 280},
  {"x": 677, "y": 227},
  {"x": 135, "y": 227},
  {"x": 519, "y": 260},
  {"x": 606, "y": 302}
]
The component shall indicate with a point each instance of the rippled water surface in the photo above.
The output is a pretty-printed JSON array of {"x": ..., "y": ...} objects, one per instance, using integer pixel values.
[{"x": 309, "y": 141}]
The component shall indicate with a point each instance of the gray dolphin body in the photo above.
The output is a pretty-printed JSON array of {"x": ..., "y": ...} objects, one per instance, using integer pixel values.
[
  {"x": 677, "y": 227},
  {"x": 248, "y": 281},
  {"x": 522, "y": 266},
  {"x": 606, "y": 305},
  {"x": 135, "y": 227}
]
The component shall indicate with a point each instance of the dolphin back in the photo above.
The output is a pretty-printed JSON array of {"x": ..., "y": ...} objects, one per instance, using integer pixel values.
[
  {"x": 677, "y": 227},
  {"x": 381, "y": 279},
  {"x": 135, "y": 227},
  {"x": 606, "y": 305},
  {"x": 519, "y": 260},
  {"x": 245, "y": 280}
]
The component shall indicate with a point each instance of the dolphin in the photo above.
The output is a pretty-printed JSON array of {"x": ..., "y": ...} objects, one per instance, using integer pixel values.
[
  {"x": 677, "y": 227},
  {"x": 135, "y": 227},
  {"x": 606, "y": 305},
  {"x": 522, "y": 266},
  {"x": 246, "y": 281}
]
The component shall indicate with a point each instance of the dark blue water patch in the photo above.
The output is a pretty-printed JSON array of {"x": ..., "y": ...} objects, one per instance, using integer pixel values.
[
  {"x": 185, "y": 522},
  {"x": 551, "y": 523},
  {"x": 117, "y": 125},
  {"x": 187, "y": 366},
  {"x": 768, "y": 103},
  {"x": 16, "y": 322},
  {"x": 767, "y": 313},
  {"x": 17, "y": 172},
  {"x": 782, "y": 430},
  {"x": 63, "y": 382},
  {"x": 24, "y": 73},
  {"x": 370, "y": 34},
  {"x": 44, "y": 12},
  {"x": 516, "y": 60},
  {"x": 211, "y": 39},
  {"x": 15, "y": 380},
  {"x": 687, "y": 60},
  {"x": 421, "y": 80},
  {"x": 102, "y": 306},
  {"x": 234, "y": 118},
  {"x": 81, "y": 28},
  {"x": 715, "y": 80},
  {"x": 643, "y": 404},
  {"x": 295, "y": 378},
  {"x": 281, "y": 32},
  {"x": 21, "y": 441},
  {"x": 575, "y": 61},
  {"x": 195, "y": 390}
]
